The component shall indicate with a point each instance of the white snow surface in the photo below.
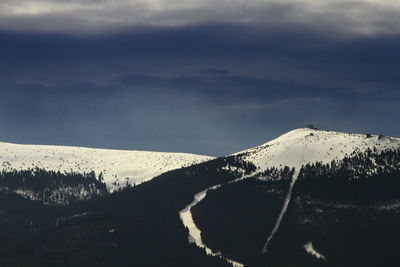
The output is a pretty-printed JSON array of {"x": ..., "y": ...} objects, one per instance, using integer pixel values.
[
  {"x": 311, "y": 250},
  {"x": 117, "y": 166},
  {"x": 194, "y": 232},
  {"x": 304, "y": 145},
  {"x": 282, "y": 213}
]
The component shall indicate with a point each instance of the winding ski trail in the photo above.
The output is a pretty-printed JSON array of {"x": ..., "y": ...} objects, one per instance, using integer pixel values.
[{"x": 194, "y": 232}]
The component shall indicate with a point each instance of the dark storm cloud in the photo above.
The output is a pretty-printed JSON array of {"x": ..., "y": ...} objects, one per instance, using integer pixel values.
[{"x": 202, "y": 46}]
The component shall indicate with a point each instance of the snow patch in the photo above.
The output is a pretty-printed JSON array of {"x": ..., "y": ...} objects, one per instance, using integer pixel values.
[{"x": 310, "y": 249}]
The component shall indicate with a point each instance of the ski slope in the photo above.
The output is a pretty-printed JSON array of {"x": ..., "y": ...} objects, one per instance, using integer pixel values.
[
  {"x": 304, "y": 145},
  {"x": 293, "y": 149},
  {"x": 117, "y": 166}
]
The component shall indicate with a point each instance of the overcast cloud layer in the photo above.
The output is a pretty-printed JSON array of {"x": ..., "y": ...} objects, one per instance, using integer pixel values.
[
  {"x": 210, "y": 77},
  {"x": 100, "y": 16}
]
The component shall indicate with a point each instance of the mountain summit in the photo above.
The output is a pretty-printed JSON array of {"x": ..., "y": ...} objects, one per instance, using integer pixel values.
[{"x": 305, "y": 145}]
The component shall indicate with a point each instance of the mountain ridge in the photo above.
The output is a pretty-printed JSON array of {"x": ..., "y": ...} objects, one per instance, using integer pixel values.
[{"x": 117, "y": 167}]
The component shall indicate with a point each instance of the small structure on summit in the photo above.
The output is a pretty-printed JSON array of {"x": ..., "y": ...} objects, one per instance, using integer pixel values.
[{"x": 312, "y": 126}]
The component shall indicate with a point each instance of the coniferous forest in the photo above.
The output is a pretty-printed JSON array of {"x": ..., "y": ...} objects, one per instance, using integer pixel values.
[
  {"x": 348, "y": 209},
  {"x": 53, "y": 188},
  {"x": 138, "y": 226}
]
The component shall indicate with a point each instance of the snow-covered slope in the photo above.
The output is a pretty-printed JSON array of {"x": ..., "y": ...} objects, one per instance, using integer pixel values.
[
  {"x": 117, "y": 166},
  {"x": 304, "y": 145}
]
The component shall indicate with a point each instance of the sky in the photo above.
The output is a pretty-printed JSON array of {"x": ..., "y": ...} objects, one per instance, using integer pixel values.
[{"x": 208, "y": 77}]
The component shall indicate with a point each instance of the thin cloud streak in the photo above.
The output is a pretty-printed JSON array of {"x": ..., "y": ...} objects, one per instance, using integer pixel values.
[{"x": 274, "y": 104}]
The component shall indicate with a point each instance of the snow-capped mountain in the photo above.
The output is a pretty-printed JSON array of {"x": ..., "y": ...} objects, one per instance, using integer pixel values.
[
  {"x": 307, "y": 145},
  {"x": 340, "y": 188},
  {"x": 118, "y": 167}
]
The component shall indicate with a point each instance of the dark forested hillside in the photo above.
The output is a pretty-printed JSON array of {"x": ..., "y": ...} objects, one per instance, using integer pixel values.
[
  {"x": 348, "y": 210},
  {"x": 362, "y": 178},
  {"x": 50, "y": 187},
  {"x": 139, "y": 226},
  {"x": 237, "y": 218}
]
